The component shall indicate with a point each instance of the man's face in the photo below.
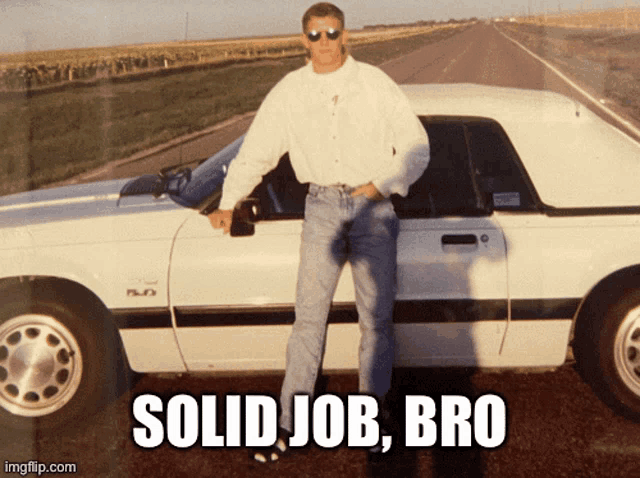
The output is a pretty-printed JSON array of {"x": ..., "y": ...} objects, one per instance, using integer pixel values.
[{"x": 326, "y": 54}]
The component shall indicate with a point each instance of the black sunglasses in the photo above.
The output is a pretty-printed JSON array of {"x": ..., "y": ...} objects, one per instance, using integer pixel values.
[{"x": 332, "y": 34}]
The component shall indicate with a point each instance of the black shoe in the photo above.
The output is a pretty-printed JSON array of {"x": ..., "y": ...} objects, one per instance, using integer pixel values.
[
  {"x": 273, "y": 453},
  {"x": 375, "y": 454}
]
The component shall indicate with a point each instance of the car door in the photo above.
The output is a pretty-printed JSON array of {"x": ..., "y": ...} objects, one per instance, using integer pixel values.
[
  {"x": 451, "y": 307},
  {"x": 232, "y": 297},
  {"x": 545, "y": 252}
]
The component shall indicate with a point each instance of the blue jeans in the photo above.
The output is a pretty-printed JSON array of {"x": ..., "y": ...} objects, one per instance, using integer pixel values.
[{"x": 339, "y": 228}]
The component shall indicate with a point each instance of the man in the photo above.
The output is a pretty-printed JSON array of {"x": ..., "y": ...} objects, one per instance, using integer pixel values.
[{"x": 351, "y": 134}]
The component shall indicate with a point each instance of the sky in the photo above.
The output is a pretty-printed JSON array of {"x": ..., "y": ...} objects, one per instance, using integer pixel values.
[{"x": 27, "y": 25}]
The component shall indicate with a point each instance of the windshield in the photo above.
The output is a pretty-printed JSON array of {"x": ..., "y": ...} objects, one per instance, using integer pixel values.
[{"x": 205, "y": 186}]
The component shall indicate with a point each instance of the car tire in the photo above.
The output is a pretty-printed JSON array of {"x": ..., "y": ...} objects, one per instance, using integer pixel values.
[
  {"x": 56, "y": 360},
  {"x": 607, "y": 351}
]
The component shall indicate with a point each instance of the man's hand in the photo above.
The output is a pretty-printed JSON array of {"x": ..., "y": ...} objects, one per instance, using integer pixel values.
[
  {"x": 368, "y": 190},
  {"x": 221, "y": 219}
]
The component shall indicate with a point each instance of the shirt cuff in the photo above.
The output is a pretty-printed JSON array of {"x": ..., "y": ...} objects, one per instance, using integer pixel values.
[
  {"x": 380, "y": 186},
  {"x": 227, "y": 203}
]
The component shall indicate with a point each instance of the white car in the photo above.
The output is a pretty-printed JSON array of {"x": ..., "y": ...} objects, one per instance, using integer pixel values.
[{"x": 525, "y": 225}]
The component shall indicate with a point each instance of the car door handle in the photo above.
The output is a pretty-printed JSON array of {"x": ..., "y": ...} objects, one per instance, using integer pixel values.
[{"x": 459, "y": 239}]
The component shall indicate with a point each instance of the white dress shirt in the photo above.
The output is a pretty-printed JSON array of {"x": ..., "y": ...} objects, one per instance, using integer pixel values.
[{"x": 352, "y": 126}]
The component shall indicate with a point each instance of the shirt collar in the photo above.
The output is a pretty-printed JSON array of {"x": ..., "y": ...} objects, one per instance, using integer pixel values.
[{"x": 348, "y": 69}]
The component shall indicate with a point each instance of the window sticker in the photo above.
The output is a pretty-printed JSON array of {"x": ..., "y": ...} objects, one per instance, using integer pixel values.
[{"x": 506, "y": 199}]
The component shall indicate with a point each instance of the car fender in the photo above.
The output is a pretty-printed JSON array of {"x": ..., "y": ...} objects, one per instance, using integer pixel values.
[
  {"x": 615, "y": 267},
  {"x": 565, "y": 257},
  {"x": 608, "y": 290},
  {"x": 121, "y": 275}
]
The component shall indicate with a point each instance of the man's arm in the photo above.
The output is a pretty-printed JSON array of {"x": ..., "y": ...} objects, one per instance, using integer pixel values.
[
  {"x": 411, "y": 143},
  {"x": 264, "y": 144}
]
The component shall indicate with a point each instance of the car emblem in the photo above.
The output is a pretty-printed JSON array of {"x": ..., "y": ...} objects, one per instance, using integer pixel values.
[{"x": 143, "y": 293}]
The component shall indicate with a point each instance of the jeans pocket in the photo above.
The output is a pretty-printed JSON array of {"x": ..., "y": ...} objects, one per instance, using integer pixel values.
[{"x": 311, "y": 202}]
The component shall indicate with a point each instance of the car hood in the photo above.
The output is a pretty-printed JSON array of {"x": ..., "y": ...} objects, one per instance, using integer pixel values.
[{"x": 74, "y": 202}]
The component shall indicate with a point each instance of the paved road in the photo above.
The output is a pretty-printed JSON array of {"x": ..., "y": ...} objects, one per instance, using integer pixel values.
[
  {"x": 477, "y": 55},
  {"x": 556, "y": 426}
]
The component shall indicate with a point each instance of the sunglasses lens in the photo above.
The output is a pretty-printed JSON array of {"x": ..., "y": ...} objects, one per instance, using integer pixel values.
[{"x": 332, "y": 34}]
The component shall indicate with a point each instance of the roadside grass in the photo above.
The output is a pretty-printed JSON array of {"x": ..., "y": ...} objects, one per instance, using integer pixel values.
[{"x": 53, "y": 136}]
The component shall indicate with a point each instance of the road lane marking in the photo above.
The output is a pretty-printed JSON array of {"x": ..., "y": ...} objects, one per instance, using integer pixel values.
[
  {"x": 451, "y": 63},
  {"x": 595, "y": 101}
]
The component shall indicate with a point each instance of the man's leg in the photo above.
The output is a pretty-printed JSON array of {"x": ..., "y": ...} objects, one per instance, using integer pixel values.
[
  {"x": 322, "y": 256},
  {"x": 373, "y": 258}
]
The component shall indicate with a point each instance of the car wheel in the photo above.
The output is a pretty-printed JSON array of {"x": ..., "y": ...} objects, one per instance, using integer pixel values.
[
  {"x": 54, "y": 361},
  {"x": 607, "y": 347}
]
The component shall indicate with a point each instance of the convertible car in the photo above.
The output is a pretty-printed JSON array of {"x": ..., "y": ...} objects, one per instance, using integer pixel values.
[{"x": 519, "y": 244}]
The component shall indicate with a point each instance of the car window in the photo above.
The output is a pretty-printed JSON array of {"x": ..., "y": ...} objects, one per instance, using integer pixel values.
[
  {"x": 473, "y": 170},
  {"x": 448, "y": 186},
  {"x": 500, "y": 176},
  {"x": 204, "y": 189},
  {"x": 281, "y": 195}
]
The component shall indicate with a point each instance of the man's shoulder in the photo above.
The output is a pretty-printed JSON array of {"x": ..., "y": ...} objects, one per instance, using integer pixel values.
[
  {"x": 373, "y": 73},
  {"x": 290, "y": 84},
  {"x": 291, "y": 79},
  {"x": 368, "y": 68}
]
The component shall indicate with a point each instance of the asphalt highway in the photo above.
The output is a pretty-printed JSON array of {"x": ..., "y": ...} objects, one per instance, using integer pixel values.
[{"x": 556, "y": 427}]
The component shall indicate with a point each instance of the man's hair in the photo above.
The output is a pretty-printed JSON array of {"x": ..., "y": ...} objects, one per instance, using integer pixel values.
[{"x": 322, "y": 10}]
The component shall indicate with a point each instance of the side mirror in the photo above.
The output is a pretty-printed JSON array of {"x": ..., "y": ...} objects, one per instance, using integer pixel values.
[{"x": 245, "y": 215}]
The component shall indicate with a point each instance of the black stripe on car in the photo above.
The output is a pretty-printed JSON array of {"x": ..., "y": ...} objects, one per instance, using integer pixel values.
[
  {"x": 405, "y": 312},
  {"x": 142, "y": 318}
]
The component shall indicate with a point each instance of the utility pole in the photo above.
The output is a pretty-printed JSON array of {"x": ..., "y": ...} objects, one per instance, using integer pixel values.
[
  {"x": 626, "y": 15},
  {"x": 186, "y": 28}
]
